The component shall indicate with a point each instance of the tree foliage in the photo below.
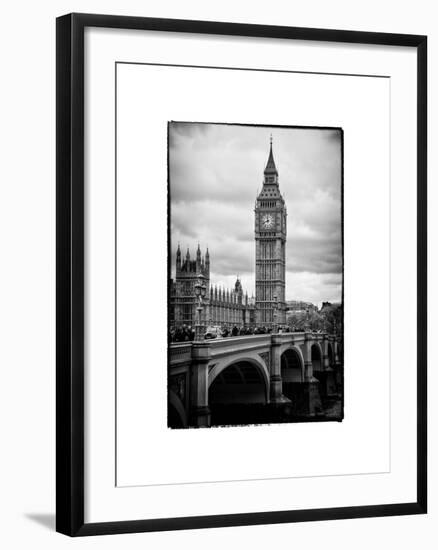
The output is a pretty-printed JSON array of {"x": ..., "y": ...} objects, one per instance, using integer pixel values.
[{"x": 329, "y": 319}]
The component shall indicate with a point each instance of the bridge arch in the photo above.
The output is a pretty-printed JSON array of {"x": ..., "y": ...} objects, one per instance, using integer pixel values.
[
  {"x": 292, "y": 365},
  {"x": 316, "y": 356},
  {"x": 257, "y": 364},
  {"x": 292, "y": 373},
  {"x": 177, "y": 417},
  {"x": 238, "y": 391},
  {"x": 246, "y": 365}
]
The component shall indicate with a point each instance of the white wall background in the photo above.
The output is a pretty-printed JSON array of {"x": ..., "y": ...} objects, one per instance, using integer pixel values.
[{"x": 27, "y": 289}]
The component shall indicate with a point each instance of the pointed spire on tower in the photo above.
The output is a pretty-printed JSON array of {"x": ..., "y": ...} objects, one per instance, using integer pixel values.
[
  {"x": 198, "y": 259},
  {"x": 271, "y": 169},
  {"x": 178, "y": 258}
]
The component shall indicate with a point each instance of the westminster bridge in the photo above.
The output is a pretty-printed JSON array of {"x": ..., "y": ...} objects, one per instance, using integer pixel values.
[{"x": 289, "y": 376}]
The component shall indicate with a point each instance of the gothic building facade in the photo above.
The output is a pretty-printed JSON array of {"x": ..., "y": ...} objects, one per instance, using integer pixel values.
[
  {"x": 230, "y": 307},
  {"x": 270, "y": 238},
  {"x": 221, "y": 307},
  {"x": 183, "y": 300}
]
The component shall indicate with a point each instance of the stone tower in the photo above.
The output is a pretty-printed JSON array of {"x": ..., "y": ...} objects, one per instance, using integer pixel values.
[
  {"x": 270, "y": 240},
  {"x": 188, "y": 272}
]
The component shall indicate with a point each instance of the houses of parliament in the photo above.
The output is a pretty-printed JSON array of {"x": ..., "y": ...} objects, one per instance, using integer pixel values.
[{"x": 233, "y": 306}]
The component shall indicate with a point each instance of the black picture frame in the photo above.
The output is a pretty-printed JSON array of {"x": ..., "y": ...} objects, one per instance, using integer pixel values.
[{"x": 70, "y": 273}]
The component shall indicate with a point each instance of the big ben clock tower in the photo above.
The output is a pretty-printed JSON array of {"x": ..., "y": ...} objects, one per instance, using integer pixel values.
[{"x": 270, "y": 238}]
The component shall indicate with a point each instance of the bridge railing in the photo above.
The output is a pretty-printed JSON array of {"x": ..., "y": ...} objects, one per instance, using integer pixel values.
[{"x": 181, "y": 352}]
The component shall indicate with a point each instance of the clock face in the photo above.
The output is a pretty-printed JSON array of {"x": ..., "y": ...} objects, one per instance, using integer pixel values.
[{"x": 267, "y": 221}]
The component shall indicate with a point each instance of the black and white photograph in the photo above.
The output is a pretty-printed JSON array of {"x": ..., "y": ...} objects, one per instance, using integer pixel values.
[{"x": 255, "y": 267}]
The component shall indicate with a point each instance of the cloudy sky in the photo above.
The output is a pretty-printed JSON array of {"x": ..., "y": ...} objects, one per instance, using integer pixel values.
[{"x": 216, "y": 172}]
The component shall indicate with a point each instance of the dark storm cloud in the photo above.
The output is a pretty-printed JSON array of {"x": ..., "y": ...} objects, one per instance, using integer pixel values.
[{"x": 215, "y": 173}]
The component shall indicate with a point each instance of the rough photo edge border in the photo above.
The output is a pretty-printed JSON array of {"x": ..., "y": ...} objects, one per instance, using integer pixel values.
[{"x": 70, "y": 273}]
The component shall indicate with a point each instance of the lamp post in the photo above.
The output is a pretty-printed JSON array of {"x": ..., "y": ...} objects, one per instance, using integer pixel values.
[{"x": 200, "y": 292}]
